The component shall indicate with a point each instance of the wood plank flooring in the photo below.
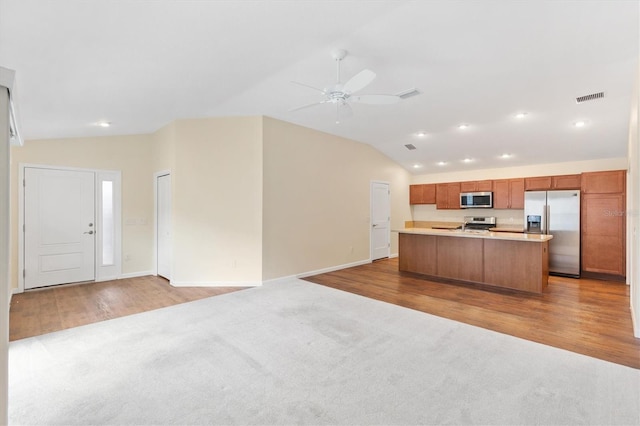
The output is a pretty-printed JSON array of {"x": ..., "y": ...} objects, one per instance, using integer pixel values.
[
  {"x": 586, "y": 316},
  {"x": 57, "y": 308}
]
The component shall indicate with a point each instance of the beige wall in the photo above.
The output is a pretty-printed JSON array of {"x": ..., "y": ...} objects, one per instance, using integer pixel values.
[
  {"x": 217, "y": 201},
  {"x": 565, "y": 168},
  {"x": 507, "y": 217},
  {"x": 129, "y": 154},
  {"x": 316, "y": 199}
]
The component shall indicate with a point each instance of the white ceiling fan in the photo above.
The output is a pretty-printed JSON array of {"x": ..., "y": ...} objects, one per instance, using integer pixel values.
[{"x": 341, "y": 94}]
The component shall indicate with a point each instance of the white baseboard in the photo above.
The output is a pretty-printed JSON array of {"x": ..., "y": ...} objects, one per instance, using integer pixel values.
[
  {"x": 634, "y": 323},
  {"x": 391, "y": 256},
  {"x": 332, "y": 268},
  {"x": 215, "y": 283},
  {"x": 136, "y": 274}
]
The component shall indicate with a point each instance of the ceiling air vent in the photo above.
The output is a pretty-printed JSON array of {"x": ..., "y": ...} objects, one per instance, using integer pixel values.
[
  {"x": 408, "y": 93},
  {"x": 410, "y": 146},
  {"x": 590, "y": 97}
]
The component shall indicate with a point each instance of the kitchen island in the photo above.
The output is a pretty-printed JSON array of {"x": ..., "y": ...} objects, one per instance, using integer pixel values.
[{"x": 501, "y": 259}]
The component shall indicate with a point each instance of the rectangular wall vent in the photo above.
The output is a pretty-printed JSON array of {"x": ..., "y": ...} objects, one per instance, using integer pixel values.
[
  {"x": 590, "y": 97},
  {"x": 410, "y": 146},
  {"x": 408, "y": 93}
]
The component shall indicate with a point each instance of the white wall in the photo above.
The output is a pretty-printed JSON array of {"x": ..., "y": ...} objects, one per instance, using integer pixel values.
[
  {"x": 4, "y": 253},
  {"x": 317, "y": 199},
  {"x": 633, "y": 207}
]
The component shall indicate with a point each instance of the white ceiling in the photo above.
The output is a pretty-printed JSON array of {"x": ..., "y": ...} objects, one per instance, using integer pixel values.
[{"x": 142, "y": 64}]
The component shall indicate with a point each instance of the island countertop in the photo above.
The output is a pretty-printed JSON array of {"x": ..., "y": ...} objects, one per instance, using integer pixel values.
[{"x": 512, "y": 236}]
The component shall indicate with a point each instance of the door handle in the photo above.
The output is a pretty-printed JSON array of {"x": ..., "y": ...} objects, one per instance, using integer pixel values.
[
  {"x": 374, "y": 225},
  {"x": 89, "y": 232}
]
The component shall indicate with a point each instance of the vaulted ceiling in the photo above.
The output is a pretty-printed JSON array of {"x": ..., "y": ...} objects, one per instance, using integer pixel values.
[{"x": 142, "y": 64}]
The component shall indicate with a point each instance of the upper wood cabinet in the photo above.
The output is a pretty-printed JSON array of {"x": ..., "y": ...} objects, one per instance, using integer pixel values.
[
  {"x": 448, "y": 195},
  {"x": 566, "y": 182},
  {"x": 508, "y": 194},
  {"x": 609, "y": 182},
  {"x": 542, "y": 183},
  {"x": 545, "y": 183},
  {"x": 476, "y": 186},
  {"x": 422, "y": 194}
]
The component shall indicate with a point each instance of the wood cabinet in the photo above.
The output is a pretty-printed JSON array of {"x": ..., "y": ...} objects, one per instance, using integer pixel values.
[
  {"x": 546, "y": 183},
  {"x": 476, "y": 186},
  {"x": 609, "y": 182},
  {"x": 542, "y": 183},
  {"x": 566, "y": 182},
  {"x": 422, "y": 194},
  {"x": 508, "y": 194},
  {"x": 448, "y": 195},
  {"x": 520, "y": 265},
  {"x": 603, "y": 213}
]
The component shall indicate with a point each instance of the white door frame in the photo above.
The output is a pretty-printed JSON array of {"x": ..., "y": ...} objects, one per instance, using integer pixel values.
[
  {"x": 101, "y": 273},
  {"x": 371, "y": 184},
  {"x": 155, "y": 216}
]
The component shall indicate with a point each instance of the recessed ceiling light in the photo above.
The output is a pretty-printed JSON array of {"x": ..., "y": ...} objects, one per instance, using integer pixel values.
[
  {"x": 467, "y": 160},
  {"x": 421, "y": 134},
  {"x": 417, "y": 166},
  {"x": 463, "y": 126},
  {"x": 442, "y": 163},
  {"x": 505, "y": 155},
  {"x": 521, "y": 115},
  {"x": 103, "y": 124},
  {"x": 579, "y": 123}
]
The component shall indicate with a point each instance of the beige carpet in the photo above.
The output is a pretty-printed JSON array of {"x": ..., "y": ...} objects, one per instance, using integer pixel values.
[{"x": 298, "y": 353}]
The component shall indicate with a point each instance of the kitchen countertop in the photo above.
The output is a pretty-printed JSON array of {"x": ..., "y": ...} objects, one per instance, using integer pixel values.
[{"x": 513, "y": 236}]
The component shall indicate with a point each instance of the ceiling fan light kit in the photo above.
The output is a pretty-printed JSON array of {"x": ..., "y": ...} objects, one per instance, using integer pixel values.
[{"x": 343, "y": 94}]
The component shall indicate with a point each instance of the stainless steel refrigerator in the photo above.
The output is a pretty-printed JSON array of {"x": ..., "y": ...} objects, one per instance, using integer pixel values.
[{"x": 556, "y": 213}]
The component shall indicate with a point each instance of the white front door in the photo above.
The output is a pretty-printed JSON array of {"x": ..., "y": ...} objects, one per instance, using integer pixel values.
[
  {"x": 59, "y": 227},
  {"x": 163, "y": 231},
  {"x": 380, "y": 220}
]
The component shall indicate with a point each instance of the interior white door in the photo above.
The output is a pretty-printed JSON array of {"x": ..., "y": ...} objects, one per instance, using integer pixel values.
[
  {"x": 380, "y": 220},
  {"x": 163, "y": 231},
  {"x": 59, "y": 227}
]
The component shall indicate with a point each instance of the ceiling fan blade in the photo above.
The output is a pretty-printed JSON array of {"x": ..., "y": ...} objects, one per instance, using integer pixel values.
[
  {"x": 359, "y": 81},
  {"x": 307, "y": 106},
  {"x": 375, "y": 99},
  {"x": 307, "y": 86}
]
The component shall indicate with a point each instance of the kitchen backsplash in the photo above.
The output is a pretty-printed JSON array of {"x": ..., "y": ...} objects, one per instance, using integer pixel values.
[{"x": 428, "y": 212}]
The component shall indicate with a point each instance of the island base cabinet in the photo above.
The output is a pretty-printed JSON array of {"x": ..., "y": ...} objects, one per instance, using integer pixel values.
[
  {"x": 460, "y": 258},
  {"x": 516, "y": 265},
  {"x": 417, "y": 253}
]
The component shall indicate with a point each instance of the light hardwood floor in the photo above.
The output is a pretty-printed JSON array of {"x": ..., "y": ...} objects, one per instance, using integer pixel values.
[{"x": 586, "y": 316}]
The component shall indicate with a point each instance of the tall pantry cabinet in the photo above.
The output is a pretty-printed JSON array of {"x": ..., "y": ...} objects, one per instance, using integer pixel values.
[{"x": 603, "y": 223}]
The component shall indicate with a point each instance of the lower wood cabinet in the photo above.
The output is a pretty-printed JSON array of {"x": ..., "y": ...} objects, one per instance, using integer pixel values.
[{"x": 603, "y": 234}]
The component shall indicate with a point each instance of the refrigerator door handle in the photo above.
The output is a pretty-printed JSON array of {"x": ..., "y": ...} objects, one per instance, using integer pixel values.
[{"x": 547, "y": 218}]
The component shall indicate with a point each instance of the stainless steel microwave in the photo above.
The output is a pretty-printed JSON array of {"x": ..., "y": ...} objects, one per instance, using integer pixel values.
[{"x": 476, "y": 200}]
